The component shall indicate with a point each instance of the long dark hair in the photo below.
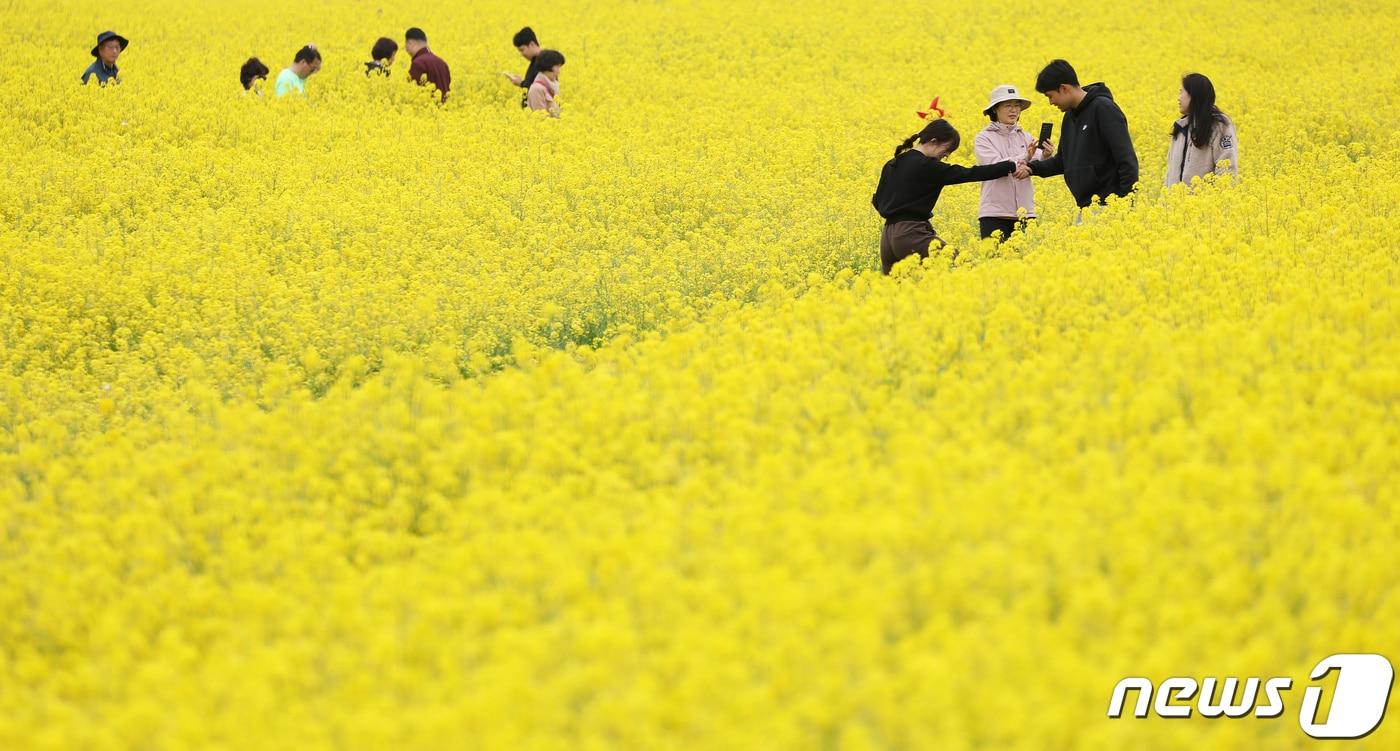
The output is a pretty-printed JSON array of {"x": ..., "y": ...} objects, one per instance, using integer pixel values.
[
  {"x": 1202, "y": 114},
  {"x": 941, "y": 131}
]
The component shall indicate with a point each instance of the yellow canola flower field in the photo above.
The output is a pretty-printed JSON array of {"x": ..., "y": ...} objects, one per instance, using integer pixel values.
[{"x": 356, "y": 422}]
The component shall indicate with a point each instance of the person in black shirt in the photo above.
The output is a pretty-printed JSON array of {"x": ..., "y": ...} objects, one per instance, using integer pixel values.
[
  {"x": 529, "y": 47},
  {"x": 911, "y": 182},
  {"x": 382, "y": 56}
]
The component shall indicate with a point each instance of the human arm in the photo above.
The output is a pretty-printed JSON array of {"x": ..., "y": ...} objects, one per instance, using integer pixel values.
[
  {"x": 1226, "y": 147},
  {"x": 1051, "y": 167},
  {"x": 1034, "y": 149},
  {"x": 984, "y": 149},
  {"x": 956, "y": 174},
  {"x": 531, "y": 71},
  {"x": 538, "y": 98},
  {"x": 1113, "y": 128}
]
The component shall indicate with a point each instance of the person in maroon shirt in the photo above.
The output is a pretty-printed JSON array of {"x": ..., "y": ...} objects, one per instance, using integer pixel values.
[{"x": 425, "y": 64}]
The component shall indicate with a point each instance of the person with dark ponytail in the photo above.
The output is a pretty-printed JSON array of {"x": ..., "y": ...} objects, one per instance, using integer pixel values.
[
  {"x": 911, "y": 182},
  {"x": 1203, "y": 138}
]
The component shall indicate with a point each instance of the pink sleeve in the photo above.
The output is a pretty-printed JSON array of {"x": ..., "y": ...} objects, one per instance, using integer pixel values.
[{"x": 984, "y": 149}]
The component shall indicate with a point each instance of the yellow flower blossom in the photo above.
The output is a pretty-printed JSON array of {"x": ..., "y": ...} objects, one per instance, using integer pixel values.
[{"x": 354, "y": 421}]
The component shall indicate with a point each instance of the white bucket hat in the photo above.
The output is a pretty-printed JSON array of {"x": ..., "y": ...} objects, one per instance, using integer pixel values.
[{"x": 1005, "y": 93}]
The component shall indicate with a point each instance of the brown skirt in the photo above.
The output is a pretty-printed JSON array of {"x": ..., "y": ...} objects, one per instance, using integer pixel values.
[{"x": 899, "y": 240}]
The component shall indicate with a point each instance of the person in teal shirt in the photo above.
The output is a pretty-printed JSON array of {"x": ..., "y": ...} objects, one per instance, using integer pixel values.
[{"x": 306, "y": 62}]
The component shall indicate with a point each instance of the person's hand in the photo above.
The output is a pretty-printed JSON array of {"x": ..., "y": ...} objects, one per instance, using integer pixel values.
[
  {"x": 1023, "y": 171},
  {"x": 1048, "y": 147},
  {"x": 517, "y": 80}
]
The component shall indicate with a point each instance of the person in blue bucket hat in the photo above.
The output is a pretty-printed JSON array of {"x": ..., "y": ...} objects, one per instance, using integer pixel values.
[{"x": 109, "y": 45}]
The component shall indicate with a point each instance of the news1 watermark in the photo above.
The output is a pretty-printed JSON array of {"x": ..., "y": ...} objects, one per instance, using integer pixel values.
[{"x": 1358, "y": 701}]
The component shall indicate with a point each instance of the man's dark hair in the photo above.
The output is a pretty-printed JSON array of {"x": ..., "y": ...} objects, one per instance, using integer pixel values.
[
  {"x": 307, "y": 54},
  {"x": 549, "y": 58},
  {"x": 383, "y": 49},
  {"x": 525, "y": 36},
  {"x": 415, "y": 34},
  {"x": 1058, "y": 73},
  {"x": 252, "y": 69}
]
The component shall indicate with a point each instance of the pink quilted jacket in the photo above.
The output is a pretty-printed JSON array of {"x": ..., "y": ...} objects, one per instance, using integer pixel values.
[{"x": 1003, "y": 197}]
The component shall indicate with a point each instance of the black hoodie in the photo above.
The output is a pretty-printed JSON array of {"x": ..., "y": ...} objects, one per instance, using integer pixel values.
[{"x": 1095, "y": 152}]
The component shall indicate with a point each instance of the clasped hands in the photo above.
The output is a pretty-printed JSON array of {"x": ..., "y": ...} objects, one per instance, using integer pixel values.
[{"x": 1023, "y": 167}]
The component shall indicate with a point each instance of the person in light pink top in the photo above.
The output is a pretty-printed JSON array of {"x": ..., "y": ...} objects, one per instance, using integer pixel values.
[
  {"x": 1008, "y": 202},
  {"x": 546, "y": 86}
]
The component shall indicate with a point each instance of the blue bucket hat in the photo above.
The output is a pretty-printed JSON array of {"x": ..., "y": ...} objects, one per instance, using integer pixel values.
[{"x": 106, "y": 36}]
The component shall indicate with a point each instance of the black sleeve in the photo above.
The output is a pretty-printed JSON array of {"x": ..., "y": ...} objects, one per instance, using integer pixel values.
[
  {"x": 956, "y": 174},
  {"x": 1114, "y": 129},
  {"x": 1055, "y": 165}
]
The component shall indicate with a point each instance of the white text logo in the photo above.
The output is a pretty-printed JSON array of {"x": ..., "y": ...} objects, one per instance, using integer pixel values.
[{"x": 1358, "y": 703}]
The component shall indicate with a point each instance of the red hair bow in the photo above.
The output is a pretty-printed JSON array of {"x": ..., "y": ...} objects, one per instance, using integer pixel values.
[{"x": 932, "y": 108}]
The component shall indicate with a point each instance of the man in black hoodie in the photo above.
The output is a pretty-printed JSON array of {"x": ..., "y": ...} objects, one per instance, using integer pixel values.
[{"x": 1096, "y": 153}]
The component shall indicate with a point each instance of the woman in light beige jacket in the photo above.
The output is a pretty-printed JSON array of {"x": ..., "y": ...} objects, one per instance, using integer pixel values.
[{"x": 1204, "y": 139}]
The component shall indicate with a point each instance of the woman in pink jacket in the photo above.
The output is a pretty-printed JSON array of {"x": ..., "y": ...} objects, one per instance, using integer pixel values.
[{"x": 1009, "y": 201}]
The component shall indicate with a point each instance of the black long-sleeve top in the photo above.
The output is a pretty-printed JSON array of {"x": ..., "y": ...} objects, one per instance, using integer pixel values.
[
  {"x": 911, "y": 183},
  {"x": 530, "y": 72}
]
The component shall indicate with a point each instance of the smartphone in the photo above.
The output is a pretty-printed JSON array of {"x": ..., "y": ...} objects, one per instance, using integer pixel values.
[{"x": 1045, "y": 130}]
